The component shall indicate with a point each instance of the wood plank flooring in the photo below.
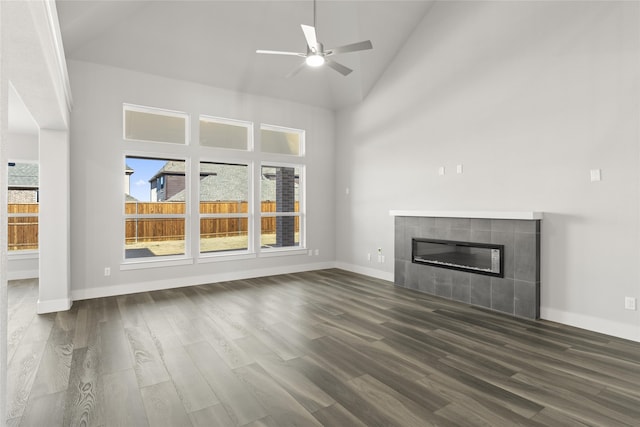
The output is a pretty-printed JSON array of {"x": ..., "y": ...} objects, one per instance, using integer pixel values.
[{"x": 319, "y": 348}]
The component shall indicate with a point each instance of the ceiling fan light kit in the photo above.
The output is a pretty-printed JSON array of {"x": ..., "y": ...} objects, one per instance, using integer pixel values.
[
  {"x": 316, "y": 56},
  {"x": 315, "y": 60}
]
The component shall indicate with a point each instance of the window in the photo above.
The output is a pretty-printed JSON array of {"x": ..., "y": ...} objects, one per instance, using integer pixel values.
[
  {"x": 155, "y": 214},
  {"x": 280, "y": 206},
  {"x": 155, "y": 125},
  {"x": 223, "y": 133},
  {"x": 238, "y": 191},
  {"x": 281, "y": 140},
  {"x": 224, "y": 207},
  {"x": 22, "y": 206}
]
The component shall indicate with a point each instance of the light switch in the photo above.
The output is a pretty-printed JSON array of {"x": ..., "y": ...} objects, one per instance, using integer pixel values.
[
  {"x": 441, "y": 170},
  {"x": 596, "y": 175},
  {"x": 459, "y": 169}
]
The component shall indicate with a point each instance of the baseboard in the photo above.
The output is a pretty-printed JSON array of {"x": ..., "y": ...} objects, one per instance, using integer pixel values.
[
  {"x": 22, "y": 274},
  {"x": 156, "y": 285},
  {"x": 372, "y": 272},
  {"x": 595, "y": 324},
  {"x": 53, "y": 305}
]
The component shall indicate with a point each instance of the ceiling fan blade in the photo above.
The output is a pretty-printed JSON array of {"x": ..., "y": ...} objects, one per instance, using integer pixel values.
[
  {"x": 295, "y": 70},
  {"x": 338, "y": 67},
  {"x": 279, "y": 52},
  {"x": 310, "y": 35},
  {"x": 353, "y": 47}
]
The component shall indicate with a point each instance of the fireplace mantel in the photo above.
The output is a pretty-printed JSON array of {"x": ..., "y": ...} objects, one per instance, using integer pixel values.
[{"x": 523, "y": 215}]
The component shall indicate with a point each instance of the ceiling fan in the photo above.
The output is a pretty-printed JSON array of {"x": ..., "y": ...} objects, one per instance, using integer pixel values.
[{"x": 316, "y": 54}]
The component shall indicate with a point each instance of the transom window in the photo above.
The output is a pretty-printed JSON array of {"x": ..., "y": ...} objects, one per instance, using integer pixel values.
[
  {"x": 155, "y": 125},
  {"x": 278, "y": 140},
  {"x": 224, "y": 133}
]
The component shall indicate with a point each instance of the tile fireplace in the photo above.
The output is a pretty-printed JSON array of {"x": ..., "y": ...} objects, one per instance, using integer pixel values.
[{"x": 488, "y": 259}]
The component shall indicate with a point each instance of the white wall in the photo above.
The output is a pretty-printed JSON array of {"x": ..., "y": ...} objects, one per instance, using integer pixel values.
[
  {"x": 528, "y": 96},
  {"x": 97, "y": 177},
  {"x": 22, "y": 147}
]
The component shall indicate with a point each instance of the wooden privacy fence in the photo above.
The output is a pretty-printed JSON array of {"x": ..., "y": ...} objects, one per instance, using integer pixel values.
[
  {"x": 159, "y": 229},
  {"x": 22, "y": 231}
]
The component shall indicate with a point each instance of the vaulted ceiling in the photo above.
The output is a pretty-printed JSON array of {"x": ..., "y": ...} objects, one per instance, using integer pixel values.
[{"x": 214, "y": 42}]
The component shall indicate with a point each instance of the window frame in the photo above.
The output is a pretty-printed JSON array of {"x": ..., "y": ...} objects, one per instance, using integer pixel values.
[
  {"x": 160, "y": 112},
  {"x": 250, "y": 251},
  {"x": 163, "y": 260},
  {"x": 284, "y": 129},
  {"x": 301, "y": 214},
  {"x": 23, "y": 253},
  {"x": 231, "y": 122}
]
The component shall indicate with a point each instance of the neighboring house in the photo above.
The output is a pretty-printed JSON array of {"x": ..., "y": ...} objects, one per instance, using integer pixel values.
[
  {"x": 169, "y": 181},
  {"x": 23, "y": 183},
  {"x": 217, "y": 182}
]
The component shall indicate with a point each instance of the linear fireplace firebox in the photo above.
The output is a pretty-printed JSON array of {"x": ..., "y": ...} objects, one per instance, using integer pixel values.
[{"x": 481, "y": 258}]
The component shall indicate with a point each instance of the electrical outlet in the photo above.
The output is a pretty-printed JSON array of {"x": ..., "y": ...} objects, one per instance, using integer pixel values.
[
  {"x": 629, "y": 303},
  {"x": 458, "y": 169},
  {"x": 107, "y": 271},
  {"x": 441, "y": 170},
  {"x": 369, "y": 257},
  {"x": 317, "y": 252},
  {"x": 382, "y": 258}
]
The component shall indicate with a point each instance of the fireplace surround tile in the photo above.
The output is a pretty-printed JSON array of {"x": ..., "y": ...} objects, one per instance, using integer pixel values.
[
  {"x": 502, "y": 293},
  {"x": 526, "y": 267},
  {"x": 504, "y": 225},
  {"x": 460, "y": 234},
  {"x": 480, "y": 224},
  {"x": 461, "y": 289},
  {"x": 518, "y": 293},
  {"x": 480, "y": 290},
  {"x": 480, "y": 236},
  {"x": 525, "y": 296}
]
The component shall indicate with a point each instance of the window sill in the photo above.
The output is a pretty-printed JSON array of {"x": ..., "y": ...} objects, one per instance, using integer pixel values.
[
  {"x": 224, "y": 256},
  {"x": 20, "y": 255},
  {"x": 266, "y": 253},
  {"x": 138, "y": 264}
]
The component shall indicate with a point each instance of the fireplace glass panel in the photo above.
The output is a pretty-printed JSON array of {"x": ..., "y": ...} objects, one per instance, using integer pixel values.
[{"x": 479, "y": 258}]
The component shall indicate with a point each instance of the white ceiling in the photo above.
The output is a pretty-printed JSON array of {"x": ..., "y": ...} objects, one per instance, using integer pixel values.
[{"x": 214, "y": 42}]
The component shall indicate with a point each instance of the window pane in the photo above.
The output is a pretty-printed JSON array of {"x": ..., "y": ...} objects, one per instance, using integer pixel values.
[
  {"x": 155, "y": 180},
  {"x": 154, "y": 187},
  {"x": 279, "y": 189},
  {"x": 223, "y": 135},
  {"x": 280, "y": 142},
  {"x": 280, "y": 193},
  {"x": 280, "y": 231},
  {"x": 151, "y": 237},
  {"x": 224, "y": 188},
  {"x": 22, "y": 206},
  {"x": 157, "y": 127},
  {"x": 224, "y": 234}
]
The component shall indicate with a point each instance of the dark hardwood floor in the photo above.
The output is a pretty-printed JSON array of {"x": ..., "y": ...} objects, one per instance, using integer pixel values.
[{"x": 320, "y": 348}]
